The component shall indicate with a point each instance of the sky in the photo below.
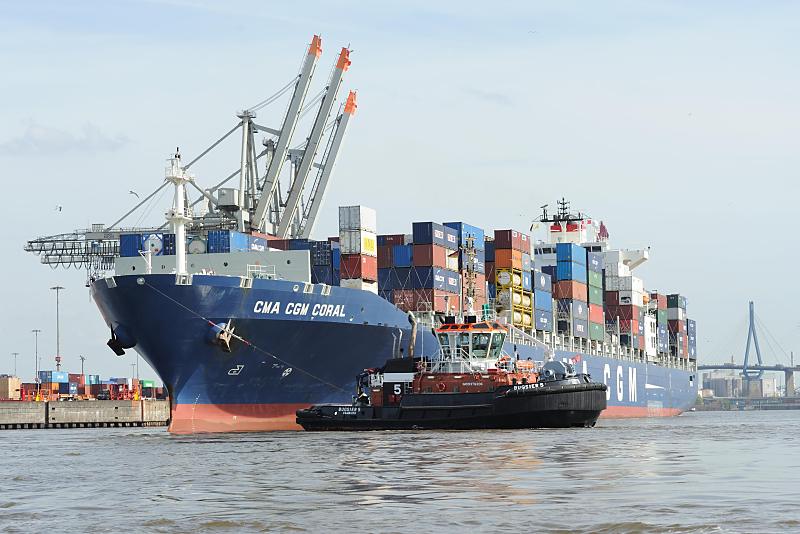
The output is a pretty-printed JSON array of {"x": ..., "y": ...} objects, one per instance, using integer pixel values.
[{"x": 676, "y": 123}]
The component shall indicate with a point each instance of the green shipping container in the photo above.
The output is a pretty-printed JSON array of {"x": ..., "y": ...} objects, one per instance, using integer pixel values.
[
  {"x": 661, "y": 317},
  {"x": 596, "y": 279},
  {"x": 148, "y": 383},
  {"x": 596, "y": 331},
  {"x": 595, "y": 295}
]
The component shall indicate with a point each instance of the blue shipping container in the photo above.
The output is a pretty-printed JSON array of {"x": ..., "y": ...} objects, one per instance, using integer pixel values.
[
  {"x": 385, "y": 279},
  {"x": 336, "y": 277},
  {"x": 464, "y": 230},
  {"x": 432, "y": 278},
  {"x": 542, "y": 281},
  {"x": 490, "y": 251},
  {"x": 453, "y": 281},
  {"x": 527, "y": 264},
  {"x": 258, "y": 244},
  {"x": 571, "y": 252},
  {"x": 580, "y": 328},
  {"x": 691, "y": 327},
  {"x": 386, "y": 294},
  {"x": 298, "y": 244},
  {"x": 480, "y": 261},
  {"x": 595, "y": 261},
  {"x": 402, "y": 255},
  {"x": 320, "y": 252},
  {"x": 526, "y": 281},
  {"x": 336, "y": 259},
  {"x": 426, "y": 233},
  {"x": 578, "y": 308},
  {"x": 492, "y": 291},
  {"x": 322, "y": 274},
  {"x": 543, "y": 320},
  {"x": 221, "y": 241},
  {"x": 571, "y": 271},
  {"x": 130, "y": 245},
  {"x": 550, "y": 270},
  {"x": 542, "y": 300}
]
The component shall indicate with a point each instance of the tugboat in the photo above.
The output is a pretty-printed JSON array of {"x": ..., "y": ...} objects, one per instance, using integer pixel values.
[{"x": 470, "y": 384}]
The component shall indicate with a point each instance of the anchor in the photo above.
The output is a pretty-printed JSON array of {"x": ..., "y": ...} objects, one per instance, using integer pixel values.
[{"x": 224, "y": 335}]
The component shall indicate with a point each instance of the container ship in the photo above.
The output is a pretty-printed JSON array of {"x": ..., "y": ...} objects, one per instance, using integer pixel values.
[{"x": 246, "y": 319}]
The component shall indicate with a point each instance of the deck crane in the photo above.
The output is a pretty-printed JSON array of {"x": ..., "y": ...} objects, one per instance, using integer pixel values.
[
  {"x": 312, "y": 146},
  {"x": 281, "y": 147},
  {"x": 326, "y": 168}
]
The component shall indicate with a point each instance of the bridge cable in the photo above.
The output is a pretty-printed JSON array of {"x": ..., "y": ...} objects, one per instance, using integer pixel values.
[{"x": 769, "y": 334}]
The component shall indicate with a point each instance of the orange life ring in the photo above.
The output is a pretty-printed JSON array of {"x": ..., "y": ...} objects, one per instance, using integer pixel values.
[{"x": 441, "y": 386}]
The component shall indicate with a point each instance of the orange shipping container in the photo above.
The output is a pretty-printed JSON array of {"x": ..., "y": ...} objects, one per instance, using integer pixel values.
[
  {"x": 430, "y": 256},
  {"x": 507, "y": 259},
  {"x": 596, "y": 313},
  {"x": 570, "y": 289}
]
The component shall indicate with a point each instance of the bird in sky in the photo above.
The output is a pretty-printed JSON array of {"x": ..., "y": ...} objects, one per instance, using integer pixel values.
[
  {"x": 134, "y": 193},
  {"x": 59, "y": 208}
]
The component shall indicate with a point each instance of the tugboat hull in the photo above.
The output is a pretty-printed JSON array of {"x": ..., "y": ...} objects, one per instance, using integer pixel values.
[{"x": 523, "y": 406}]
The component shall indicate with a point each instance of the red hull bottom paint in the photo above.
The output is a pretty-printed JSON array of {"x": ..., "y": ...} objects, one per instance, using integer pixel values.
[
  {"x": 625, "y": 412},
  {"x": 200, "y": 418}
]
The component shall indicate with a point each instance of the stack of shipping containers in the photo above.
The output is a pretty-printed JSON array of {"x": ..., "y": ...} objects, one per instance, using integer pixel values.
[
  {"x": 434, "y": 280},
  {"x": 394, "y": 266},
  {"x": 359, "y": 248},
  {"x": 571, "y": 290},
  {"x": 512, "y": 266},
  {"x": 597, "y": 322},
  {"x": 542, "y": 301},
  {"x": 676, "y": 316}
]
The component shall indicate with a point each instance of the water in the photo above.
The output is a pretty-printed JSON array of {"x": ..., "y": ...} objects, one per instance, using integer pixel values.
[{"x": 701, "y": 472}]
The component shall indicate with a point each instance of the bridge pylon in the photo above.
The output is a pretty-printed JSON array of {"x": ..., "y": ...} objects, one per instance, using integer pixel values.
[{"x": 747, "y": 373}]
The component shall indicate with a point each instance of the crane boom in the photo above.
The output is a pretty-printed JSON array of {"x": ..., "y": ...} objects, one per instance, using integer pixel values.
[
  {"x": 317, "y": 131},
  {"x": 318, "y": 191},
  {"x": 287, "y": 130}
]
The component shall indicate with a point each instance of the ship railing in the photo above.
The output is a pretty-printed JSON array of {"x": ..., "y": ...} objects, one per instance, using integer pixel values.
[{"x": 266, "y": 272}]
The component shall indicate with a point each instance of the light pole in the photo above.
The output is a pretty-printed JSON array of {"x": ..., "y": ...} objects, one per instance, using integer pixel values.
[
  {"x": 58, "y": 290},
  {"x": 15, "y": 354},
  {"x": 82, "y": 360},
  {"x": 36, "y": 332}
]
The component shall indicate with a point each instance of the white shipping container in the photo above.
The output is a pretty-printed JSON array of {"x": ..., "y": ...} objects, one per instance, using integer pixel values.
[
  {"x": 617, "y": 269},
  {"x": 676, "y": 314},
  {"x": 358, "y": 242},
  {"x": 358, "y": 283},
  {"x": 650, "y": 336},
  {"x": 357, "y": 218}
]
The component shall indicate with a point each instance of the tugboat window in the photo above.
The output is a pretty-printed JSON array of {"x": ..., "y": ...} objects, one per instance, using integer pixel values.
[
  {"x": 497, "y": 344},
  {"x": 480, "y": 345},
  {"x": 462, "y": 344}
]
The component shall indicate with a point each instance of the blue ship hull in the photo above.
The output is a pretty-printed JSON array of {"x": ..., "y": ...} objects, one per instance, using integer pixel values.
[{"x": 302, "y": 348}]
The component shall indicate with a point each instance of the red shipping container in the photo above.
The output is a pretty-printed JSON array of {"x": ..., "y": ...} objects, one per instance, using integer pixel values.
[
  {"x": 359, "y": 266},
  {"x": 392, "y": 239},
  {"x": 77, "y": 378},
  {"x": 430, "y": 256},
  {"x": 676, "y": 325},
  {"x": 596, "y": 313},
  {"x": 280, "y": 244},
  {"x": 626, "y": 311},
  {"x": 424, "y": 299},
  {"x": 268, "y": 237},
  {"x": 508, "y": 259},
  {"x": 629, "y": 326},
  {"x": 505, "y": 239},
  {"x": 612, "y": 298},
  {"x": 570, "y": 289},
  {"x": 385, "y": 257}
]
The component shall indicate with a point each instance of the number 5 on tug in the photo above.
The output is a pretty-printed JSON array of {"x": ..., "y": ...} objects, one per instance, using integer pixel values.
[{"x": 470, "y": 384}]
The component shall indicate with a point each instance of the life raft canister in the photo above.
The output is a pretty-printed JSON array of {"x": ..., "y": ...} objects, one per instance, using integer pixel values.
[{"x": 441, "y": 386}]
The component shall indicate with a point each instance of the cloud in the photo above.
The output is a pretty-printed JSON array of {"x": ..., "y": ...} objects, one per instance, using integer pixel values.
[
  {"x": 490, "y": 96},
  {"x": 38, "y": 139}
]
